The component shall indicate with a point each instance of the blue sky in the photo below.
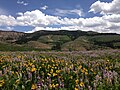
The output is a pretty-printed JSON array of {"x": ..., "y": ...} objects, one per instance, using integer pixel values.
[{"x": 33, "y": 15}]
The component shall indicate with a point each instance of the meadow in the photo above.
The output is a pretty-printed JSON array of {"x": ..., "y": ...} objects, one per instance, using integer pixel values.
[{"x": 83, "y": 70}]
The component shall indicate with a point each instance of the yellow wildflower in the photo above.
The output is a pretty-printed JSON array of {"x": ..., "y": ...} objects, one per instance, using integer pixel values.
[
  {"x": 83, "y": 71},
  {"x": 81, "y": 84},
  {"x": 12, "y": 72},
  {"x": 91, "y": 69},
  {"x": 76, "y": 81},
  {"x": 50, "y": 86},
  {"x": 30, "y": 64},
  {"x": 42, "y": 80},
  {"x": 57, "y": 71},
  {"x": 53, "y": 85},
  {"x": 2, "y": 83},
  {"x": 49, "y": 74},
  {"x": 86, "y": 73},
  {"x": 33, "y": 69},
  {"x": 57, "y": 85},
  {"x": 76, "y": 88},
  {"x": 54, "y": 74},
  {"x": 56, "y": 64},
  {"x": 66, "y": 63},
  {"x": 106, "y": 68},
  {"x": 0, "y": 61},
  {"x": 80, "y": 67},
  {"x": 17, "y": 81},
  {"x": 33, "y": 87},
  {"x": 42, "y": 65},
  {"x": 51, "y": 71},
  {"x": 107, "y": 60},
  {"x": 110, "y": 67},
  {"x": 71, "y": 77},
  {"x": 19, "y": 57},
  {"x": 52, "y": 60},
  {"x": 94, "y": 72}
]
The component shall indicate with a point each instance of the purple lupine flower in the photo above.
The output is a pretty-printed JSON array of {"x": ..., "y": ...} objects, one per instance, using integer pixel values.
[
  {"x": 62, "y": 85},
  {"x": 5, "y": 70},
  {"x": 38, "y": 77},
  {"x": 39, "y": 84},
  {"x": 104, "y": 73},
  {"x": 29, "y": 75}
]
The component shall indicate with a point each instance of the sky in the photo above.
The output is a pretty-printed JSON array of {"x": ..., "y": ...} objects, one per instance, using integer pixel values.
[{"x": 33, "y": 15}]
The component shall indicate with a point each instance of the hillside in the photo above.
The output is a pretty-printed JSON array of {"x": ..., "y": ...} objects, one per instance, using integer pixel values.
[
  {"x": 58, "y": 40},
  {"x": 10, "y": 36}
]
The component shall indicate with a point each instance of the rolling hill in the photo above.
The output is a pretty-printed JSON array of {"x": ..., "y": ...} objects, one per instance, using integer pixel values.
[{"x": 58, "y": 40}]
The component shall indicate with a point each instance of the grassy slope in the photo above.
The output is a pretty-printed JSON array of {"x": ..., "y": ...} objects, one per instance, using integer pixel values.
[{"x": 63, "y": 40}]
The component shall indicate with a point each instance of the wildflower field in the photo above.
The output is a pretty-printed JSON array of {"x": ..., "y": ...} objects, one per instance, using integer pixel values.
[{"x": 88, "y": 70}]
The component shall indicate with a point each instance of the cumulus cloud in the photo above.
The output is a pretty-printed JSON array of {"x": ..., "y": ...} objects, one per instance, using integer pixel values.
[
  {"x": 19, "y": 13},
  {"x": 105, "y": 7},
  {"x": 64, "y": 12},
  {"x": 36, "y": 18},
  {"x": 22, "y": 3},
  {"x": 42, "y": 28},
  {"x": 115, "y": 18},
  {"x": 99, "y": 24},
  {"x": 7, "y": 20},
  {"x": 44, "y": 7},
  {"x": 40, "y": 21}
]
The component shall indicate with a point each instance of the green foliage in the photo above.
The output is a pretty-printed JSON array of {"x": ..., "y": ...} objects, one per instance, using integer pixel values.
[{"x": 106, "y": 38}]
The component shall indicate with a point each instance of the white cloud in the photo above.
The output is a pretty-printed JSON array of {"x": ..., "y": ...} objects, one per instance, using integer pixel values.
[
  {"x": 44, "y": 7},
  {"x": 105, "y": 7},
  {"x": 7, "y": 20},
  {"x": 115, "y": 18},
  {"x": 22, "y": 3},
  {"x": 64, "y": 12},
  {"x": 20, "y": 13},
  {"x": 37, "y": 18},
  {"x": 94, "y": 22},
  {"x": 42, "y": 28},
  {"x": 40, "y": 21}
]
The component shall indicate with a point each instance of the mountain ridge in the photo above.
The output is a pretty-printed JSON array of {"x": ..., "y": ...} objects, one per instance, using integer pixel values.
[{"x": 60, "y": 40}]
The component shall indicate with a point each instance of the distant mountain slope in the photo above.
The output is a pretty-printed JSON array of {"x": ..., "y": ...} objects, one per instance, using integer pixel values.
[
  {"x": 39, "y": 45},
  {"x": 72, "y": 34},
  {"x": 112, "y": 41},
  {"x": 59, "y": 40},
  {"x": 10, "y": 36},
  {"x": 81, "y": 43}
]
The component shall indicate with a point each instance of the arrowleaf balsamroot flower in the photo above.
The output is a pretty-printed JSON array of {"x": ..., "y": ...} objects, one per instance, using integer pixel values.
[
  {"x": 2, "y": 83},
  {"x": 81, "y": 84},
  {"x": 33, "y": 69},
  {"x": 34, "y": 87}
]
